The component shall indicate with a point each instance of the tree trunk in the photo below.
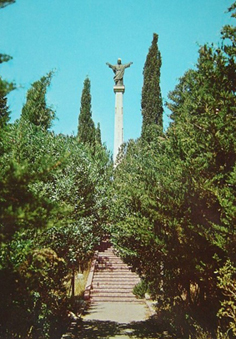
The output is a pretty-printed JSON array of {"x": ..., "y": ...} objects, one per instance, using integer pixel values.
[{"x": 73, "y": 283}]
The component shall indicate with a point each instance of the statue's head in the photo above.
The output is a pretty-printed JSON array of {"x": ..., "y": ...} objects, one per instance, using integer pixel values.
[{"x": 119, "y": 61}]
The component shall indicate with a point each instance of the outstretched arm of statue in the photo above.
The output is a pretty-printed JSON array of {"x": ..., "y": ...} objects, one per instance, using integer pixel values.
[
  {"x": 109, "y": 65},
  {"x": 128, "y": 65}
]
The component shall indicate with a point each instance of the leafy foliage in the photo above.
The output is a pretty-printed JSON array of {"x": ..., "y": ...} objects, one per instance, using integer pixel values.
[
  {"x": 53, "y": 208},
  {"x": 5, "y": 86},
  {"x": 86, "y": 128},
  {"x": 4, "y": 112},
  {"x": 98, "y": 137},
  {"x": 4, "y": 119},
  {"x": 35, "y": 109},
  {"x": 227, "y": 283}
]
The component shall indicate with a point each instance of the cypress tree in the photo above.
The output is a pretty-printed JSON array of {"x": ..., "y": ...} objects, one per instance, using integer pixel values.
[
  {"x": 5, "y": 86},
  {"x": 4, "y": 119},
  {"x": 86, "y": 128},
  {"x": 152, "y": 109},
  {"x": 35, "y": 109},
  {"x": 4, "y": 111},
  {"x": 98, "y": 137}
]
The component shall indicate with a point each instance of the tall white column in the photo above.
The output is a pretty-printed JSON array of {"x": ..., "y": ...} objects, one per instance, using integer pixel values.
[{"x": 118, "y": 135}]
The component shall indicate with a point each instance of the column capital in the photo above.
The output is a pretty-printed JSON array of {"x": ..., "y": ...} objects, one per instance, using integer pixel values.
[{"x": 119, "y": 88}]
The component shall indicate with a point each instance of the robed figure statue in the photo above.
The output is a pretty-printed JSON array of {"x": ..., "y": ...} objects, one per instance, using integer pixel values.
[{"x": 119, "y": 71}]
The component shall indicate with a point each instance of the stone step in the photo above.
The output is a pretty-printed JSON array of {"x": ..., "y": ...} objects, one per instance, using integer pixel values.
[
  {"x": 110, "y": 256},
  {"x": 115, "y": 274},
  {"x": 115, "y": 283},
  {"x": 114, "y": 299},
  {"x": 114, "y": 287},
  {"x": 104, "y": 266},
  {"x": 113, "y": 280},
  {"x": 114, "y": 271},
  {"x": 111, "y": 267},
  {"x": 111, "y": 292},
  {"x": 107, "y": 256},
  {"x": 104, "y": 284},
  {"x": 118, "y": 277},
  {"x": 111, "y": 262}
]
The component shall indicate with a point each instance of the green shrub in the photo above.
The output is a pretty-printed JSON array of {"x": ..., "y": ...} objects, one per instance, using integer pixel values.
[{"x": 140, "y": 289}]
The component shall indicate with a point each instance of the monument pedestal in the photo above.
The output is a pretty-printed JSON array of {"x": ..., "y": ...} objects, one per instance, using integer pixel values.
[{"x": 118, "y": 136}]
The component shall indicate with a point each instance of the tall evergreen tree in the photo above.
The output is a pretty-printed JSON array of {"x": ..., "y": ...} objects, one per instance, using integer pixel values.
[
  {"x": 36, "y": 110},
  {"x": 86, "y": 128},
  {"x": 152, "y": 109},
  {"x": 98, "y": 137},
  {"x": 4, "y": 111},
  {"x": 5, "y": 86},
  {"x": 4, "y": 119}
]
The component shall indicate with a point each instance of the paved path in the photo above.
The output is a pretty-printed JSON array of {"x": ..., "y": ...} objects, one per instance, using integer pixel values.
[{"x": 120, "y": 312}]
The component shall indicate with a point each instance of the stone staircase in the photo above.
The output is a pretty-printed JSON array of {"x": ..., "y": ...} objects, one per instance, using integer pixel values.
[{"x": 113, "y": 280}]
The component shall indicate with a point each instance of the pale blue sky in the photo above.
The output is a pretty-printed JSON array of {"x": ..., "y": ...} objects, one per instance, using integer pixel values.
[{"x": 77, "y": 38}]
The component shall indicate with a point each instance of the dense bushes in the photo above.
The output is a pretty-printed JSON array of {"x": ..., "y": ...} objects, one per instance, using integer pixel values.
[{"x": 54, "y": 205}]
